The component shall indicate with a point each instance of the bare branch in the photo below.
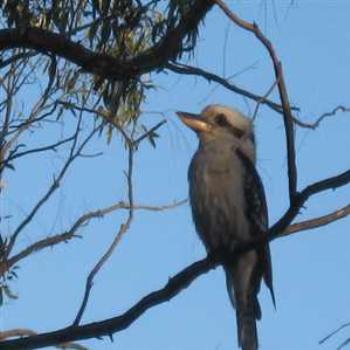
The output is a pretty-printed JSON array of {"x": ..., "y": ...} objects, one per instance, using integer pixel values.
[
  {"x": 320, "y": 119},
  {"x": 24, "y": 332},
  {"x": 343, "y": 344},
  {"x": 149, "y": 132},
  {"x": 7, "y": 145},
  {"x": 54, "y": 186},
  {"x": 39, "y": 149},
  {"x": 345, "y": 325},
  {"x": 190, "y": 70},
  {"x": 318, "y": 222},
  {"x": 105, "y": 115},
  {"x": 16, "y": 57},
  {"x": 287, "y": 113},
  {"x": 116, "y": 324},
  {"x": 18, "y": 332},
  {"x": 301, "y": 197},
  {"x": 122, "y": 230},
  {"x": 268, "y": 92},
  {"x": 72, "y": 232},
  {"x": 179, "y": 282}
]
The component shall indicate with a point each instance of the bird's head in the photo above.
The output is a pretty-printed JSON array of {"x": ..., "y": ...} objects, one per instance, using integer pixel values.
[{"x": 217, "y": 123}]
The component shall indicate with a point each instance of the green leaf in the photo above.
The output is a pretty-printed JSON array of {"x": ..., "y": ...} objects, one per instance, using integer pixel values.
[{"x": 9, "y": 293}]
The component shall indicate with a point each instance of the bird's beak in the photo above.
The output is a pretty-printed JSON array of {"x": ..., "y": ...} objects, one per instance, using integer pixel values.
[{"x": 194, "y": 121}]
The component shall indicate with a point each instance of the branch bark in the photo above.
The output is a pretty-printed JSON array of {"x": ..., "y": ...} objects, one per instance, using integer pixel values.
[
  {"x": 282, "y": 89},
  {"x": 105, "y": 65},
  {"x": 175, "y": 284}
]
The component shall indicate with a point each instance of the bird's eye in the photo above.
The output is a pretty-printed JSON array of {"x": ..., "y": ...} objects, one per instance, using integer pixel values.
[{"x": 221, "y": 120}]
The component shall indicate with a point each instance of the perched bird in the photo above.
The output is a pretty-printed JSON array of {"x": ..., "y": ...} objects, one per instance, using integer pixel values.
[{"x": 229, "y": 207}]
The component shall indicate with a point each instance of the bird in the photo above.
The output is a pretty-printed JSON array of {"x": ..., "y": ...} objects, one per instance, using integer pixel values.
[{"x": 229, "y": 207}]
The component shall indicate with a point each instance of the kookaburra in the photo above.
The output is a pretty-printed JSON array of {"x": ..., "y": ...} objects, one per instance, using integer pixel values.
[{"x": 229, "y": 207}]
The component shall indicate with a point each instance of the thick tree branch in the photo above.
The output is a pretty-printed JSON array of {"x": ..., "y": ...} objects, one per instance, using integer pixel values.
[
  {"x": 107, "y": 327},
  {"x": 177, "y": 283},
  {"x": 24, "y": 332},
  {"x": 105, "y": 65}
]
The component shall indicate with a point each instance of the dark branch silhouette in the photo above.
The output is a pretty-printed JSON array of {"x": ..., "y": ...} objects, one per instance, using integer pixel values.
[
  {"x": 279, "y": 76},
  {"x": 169, "y": 47},
  {"x": 177, "y": 283}
]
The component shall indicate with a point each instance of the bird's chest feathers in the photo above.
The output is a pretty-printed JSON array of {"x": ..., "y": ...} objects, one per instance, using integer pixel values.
[
  {"x": 216, "y": 169},
  {"x": 217, "y": 180},
  {"x": 217, "y": 196}
]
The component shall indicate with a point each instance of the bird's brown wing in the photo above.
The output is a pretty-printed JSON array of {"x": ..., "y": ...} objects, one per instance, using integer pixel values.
[{"x": 257, "y": 214}]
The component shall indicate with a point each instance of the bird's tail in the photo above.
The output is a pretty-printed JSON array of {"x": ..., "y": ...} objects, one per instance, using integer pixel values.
[{"x": 244, "y": 300}]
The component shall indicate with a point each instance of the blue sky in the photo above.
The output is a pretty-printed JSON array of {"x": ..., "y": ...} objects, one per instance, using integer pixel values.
[{"x": 311, "y": 275}]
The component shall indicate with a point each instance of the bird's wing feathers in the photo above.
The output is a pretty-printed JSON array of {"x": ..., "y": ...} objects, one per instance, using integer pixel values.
[{"x": 257, "y": 214}]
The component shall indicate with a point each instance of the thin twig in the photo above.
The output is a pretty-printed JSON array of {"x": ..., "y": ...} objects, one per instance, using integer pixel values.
[
  {"x": 268, "y": 92},
  {"x": 345, "y": 325},
  {"x": 72, "y": 232},
  {"x": 40, "y": 149},
  {"x": 190, "y": 70},
  {"x": 314, "y": 125},
  {"x": 343, "y": 344},
  {"x": 122, "y": 230},
  {"x": 54, "y": 186},
  {"x": 149, "y": 132},
  {"x": 105, "y": 115},
  {"x": 12, "y": 59}
]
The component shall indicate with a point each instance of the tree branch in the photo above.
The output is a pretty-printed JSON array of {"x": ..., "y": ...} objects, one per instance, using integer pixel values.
[
  {"x": 287, "y": 113},
  {"x": 169, "y": 47},
  {"x": 54, "y": 186},
  {"x": 116, "y": 324},
  {"x": 314, "y": 125},
  {"x": 177, "y": 283},
  {"x": 124, "y": 227},
  {"x": 72, "y": 232},
  {"x": 40, "y": 149},
  {"x": 190, "y": 70},
  {"x": 24, "y": 332},
  {"x": 318, "y": 222}
]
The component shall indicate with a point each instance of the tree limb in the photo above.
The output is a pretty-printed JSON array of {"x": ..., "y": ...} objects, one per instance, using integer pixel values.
[
  {"x": 177, "y": 283},
  {"x": 318, "y": 222},
  {"x": 169, "y": 47},
  {"x": 279, "y": 76},
  {"x": 314, "y": 125},
  {"x": 116, "y": 324},
  {"x": 190, "y": 70},
  {"x": 72, "y": 232}
]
